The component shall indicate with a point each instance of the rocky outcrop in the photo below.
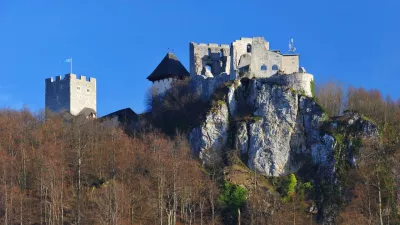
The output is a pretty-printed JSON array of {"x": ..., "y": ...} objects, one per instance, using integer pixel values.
[
  {"x": 269, "y": 148},
  {"x": 277, "y": 129},
  {"x": 209, "y": 139},
  {"x": 285, "y": 128}
]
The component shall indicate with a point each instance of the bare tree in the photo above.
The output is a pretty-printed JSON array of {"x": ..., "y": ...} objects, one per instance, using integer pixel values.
[{"x": 330, "y": 95}]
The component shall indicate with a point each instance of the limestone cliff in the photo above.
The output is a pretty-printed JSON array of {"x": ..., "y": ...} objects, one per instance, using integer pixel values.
[
  {"x": 277, "y": 131},
  {"x": 275, "y": 128},
  {"x": 210, "y": 138}
]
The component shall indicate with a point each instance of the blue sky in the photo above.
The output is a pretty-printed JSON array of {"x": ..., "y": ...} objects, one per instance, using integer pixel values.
[{"x": 120, "y": 42}]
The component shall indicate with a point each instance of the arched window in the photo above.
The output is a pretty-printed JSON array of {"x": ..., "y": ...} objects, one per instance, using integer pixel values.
[
  {"x": 264, "y": 68},
  {"x": 209, "y": 51},
  {"x": 221, "y": 53},
  {"x": 249, "y": 48},
  {"x": 275, "y": 67}
]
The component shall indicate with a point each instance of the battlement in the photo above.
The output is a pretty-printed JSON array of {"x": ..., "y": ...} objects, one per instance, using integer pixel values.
[
  {"x": 210, "y": 45},
  {"x": 246, "y": 39},
  {"x": 71, "y": 77}
]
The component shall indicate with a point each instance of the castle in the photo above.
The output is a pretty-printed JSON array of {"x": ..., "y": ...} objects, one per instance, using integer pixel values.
[
  {"x": 211, "y": 65},
  {"x": 244, "y": 55}
]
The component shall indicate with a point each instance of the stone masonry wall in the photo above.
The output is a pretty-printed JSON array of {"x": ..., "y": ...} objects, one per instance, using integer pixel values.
[
  {"x": 290, "y": 64},
  {"x": 300, "y": 82},
  {"x": 206, "y": 86},
  {"x": 83, "y": 94},
  {"x": 215, "y": 56},
  {"x": 160, "y": 86},
  {"x": 57, "y": 94}
]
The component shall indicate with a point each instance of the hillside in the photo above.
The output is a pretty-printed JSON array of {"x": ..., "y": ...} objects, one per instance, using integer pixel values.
[{"x": 257, "y": 152}]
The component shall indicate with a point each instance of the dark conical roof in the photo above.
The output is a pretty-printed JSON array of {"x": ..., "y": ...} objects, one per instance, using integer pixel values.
[{"x": 170, "y": 66}]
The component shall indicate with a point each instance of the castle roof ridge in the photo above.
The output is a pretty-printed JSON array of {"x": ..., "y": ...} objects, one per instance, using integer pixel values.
[{"x": 169, "y": 67}]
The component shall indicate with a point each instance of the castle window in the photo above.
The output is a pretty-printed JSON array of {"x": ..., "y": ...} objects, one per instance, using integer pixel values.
[
  {"x": 249, "y": 48},
  {"x": 207, "y": 70},
  {"x": 275, "y": 67},
  {"x": 221, "y": 53},
  {"x": 78, "y": 88},
  {"x": 88, "y": 90},
  {"x": 264, "y": 68},
  {"x": 209, "y": 51}
]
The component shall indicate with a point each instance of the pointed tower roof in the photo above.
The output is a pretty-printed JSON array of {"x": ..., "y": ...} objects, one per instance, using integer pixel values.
[{"x": 169, "y": 67}]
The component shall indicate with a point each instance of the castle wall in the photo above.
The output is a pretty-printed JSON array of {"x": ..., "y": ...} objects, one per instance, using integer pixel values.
[
  {"x": 239, "y": 48},
  {"x": 57, "y": 94},
  {"x": 160, "y": 86},
  {"x": 263, "y": 63},
  {"x": 206, "y": 86},
  {"x": 290, "y": 64},
  {"x": 83, "y": 94},
  {"x": 217, "y": 57},
  {"x": 262, "y": 57},
  {"x": 300, "y": 82}
]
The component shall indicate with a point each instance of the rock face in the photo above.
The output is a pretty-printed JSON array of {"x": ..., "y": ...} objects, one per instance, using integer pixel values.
[
  {"x": 276, "y": 129},
  {"x": 269, "y": 136},
  {"x": 209, "y": 139}
]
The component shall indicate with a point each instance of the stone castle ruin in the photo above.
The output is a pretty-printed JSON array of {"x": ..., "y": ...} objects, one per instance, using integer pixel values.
[
  {"x": 250, "y": 56},
  {"x": 212, "y": 65}
]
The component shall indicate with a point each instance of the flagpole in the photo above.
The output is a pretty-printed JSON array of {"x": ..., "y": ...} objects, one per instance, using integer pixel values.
[{"x": 71, "y": 66}]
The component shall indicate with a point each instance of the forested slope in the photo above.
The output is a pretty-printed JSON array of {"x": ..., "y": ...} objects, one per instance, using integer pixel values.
[{"x": 86, "y": 172}]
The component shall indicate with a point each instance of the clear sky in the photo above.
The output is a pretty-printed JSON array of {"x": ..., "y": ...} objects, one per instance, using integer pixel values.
[{"x": 120, "y": 42}]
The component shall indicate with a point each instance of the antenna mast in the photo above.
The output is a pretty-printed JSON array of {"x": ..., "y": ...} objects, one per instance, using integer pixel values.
[{"x": 292, "y": 49}]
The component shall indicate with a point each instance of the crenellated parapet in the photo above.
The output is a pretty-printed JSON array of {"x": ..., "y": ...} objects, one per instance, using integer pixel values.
[{"x": 71, "y": 77}]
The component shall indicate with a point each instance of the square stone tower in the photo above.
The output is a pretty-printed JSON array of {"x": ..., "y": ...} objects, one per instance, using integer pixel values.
[{"x": 72, "y": 94}]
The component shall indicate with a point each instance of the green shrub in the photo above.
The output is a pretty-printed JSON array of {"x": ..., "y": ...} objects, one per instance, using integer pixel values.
[
  {"x": 233, "y": 196},
  {"x": 312, "y": 86},
  {"x": 287, "y": 186},
  {"x": 221, "y": 102},
  {"x": 257, "y": 118},
  {"x": 325, "y": 116},
  {"x": 304, "y": 189},
  {"x": 291, "y": 186}
]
